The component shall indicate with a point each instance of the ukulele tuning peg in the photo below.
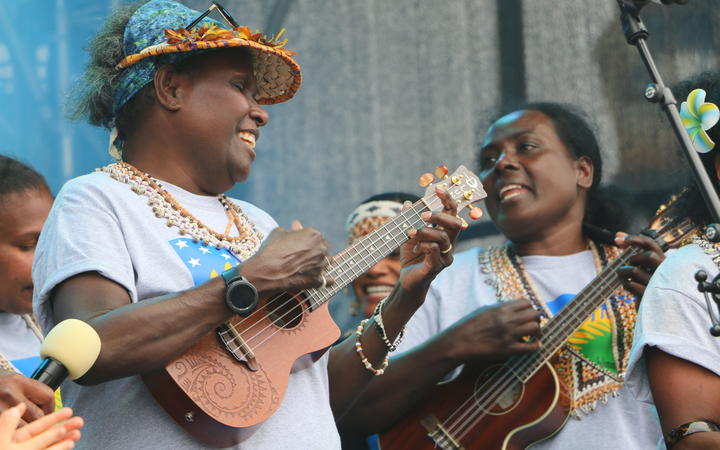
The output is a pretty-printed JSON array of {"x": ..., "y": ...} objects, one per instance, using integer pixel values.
[
  {"x": 463, "y": 222},
  {"x": 441, "y": 171},
  {"x": 426, "y": 179},
  {"x": 475, "y": 213}
]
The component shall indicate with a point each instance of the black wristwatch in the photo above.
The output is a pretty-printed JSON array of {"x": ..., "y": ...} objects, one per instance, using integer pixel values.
[{"x": 240, "y": 294}]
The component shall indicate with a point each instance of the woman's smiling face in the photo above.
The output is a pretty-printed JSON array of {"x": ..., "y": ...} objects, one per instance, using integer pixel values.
[
  {"x": 531, "y": 178},
  {"x": 220, "y": 119},
  {"x": 377, "y": 283}
]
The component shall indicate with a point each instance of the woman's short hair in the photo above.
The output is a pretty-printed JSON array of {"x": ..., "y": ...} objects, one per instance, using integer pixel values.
[{"x": 18, "y": 177}]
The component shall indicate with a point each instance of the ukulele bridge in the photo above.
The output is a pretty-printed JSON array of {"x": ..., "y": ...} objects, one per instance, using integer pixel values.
[
  {"x": 236, "y": 345},
  {"x": 439, "y": 434}
]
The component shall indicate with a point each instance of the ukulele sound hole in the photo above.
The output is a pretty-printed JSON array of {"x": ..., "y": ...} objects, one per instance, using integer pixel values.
[
  {"x": 286, "y": 310},
  {"x": 498, "y": 392}
]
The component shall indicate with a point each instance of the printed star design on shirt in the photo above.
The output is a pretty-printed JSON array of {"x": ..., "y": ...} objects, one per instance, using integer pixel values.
[{"x": 207, "y": 261}]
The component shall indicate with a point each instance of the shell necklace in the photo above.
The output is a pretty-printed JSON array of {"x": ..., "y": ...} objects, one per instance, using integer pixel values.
[{"x": 164, "y": 206}]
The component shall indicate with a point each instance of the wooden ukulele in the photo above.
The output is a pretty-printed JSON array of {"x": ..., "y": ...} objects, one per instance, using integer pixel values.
[
  {"x": 236, "y": 377},
  {"x": 521, "y": 401}
]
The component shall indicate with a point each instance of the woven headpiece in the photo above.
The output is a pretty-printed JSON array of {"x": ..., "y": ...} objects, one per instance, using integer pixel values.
[{"x": 370, "y": 216}]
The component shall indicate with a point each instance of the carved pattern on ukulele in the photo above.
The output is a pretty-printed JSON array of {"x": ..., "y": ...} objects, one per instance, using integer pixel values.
[{"x": 214, "y": 388}]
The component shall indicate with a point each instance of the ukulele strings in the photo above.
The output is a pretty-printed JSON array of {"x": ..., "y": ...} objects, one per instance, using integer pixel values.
[
  {"x": 527, "y": 360},
  {"x": 607, "y": 280},
  {"x": 524, "y": 363},
  {"x": 337, "y": 258},
  {"x": 470, "y": 417},
  {"x": 416, "y": 221},
  {"x": 279, "y": 296},
  {"x": 432, "y": 202}
]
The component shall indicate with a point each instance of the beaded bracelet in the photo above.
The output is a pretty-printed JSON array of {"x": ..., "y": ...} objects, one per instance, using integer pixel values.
[
  {"x": 363, "y": 358},
  {"x": 380, "y": 328}
]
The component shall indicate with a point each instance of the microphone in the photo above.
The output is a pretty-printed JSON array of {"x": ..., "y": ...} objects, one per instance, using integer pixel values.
[{"x": 68, "y": 351}]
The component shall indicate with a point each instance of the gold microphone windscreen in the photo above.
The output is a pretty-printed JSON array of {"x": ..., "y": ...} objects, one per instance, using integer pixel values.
[{"x": 74, "y": 344}]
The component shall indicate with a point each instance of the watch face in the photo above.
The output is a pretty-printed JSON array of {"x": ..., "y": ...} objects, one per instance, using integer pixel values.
[{"x": 241, "y": 296}]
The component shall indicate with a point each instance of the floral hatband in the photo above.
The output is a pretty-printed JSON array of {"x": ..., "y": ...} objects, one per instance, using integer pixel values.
[
  {"x": 155, "y": 35},
  {"x": 277, "y": 74}
]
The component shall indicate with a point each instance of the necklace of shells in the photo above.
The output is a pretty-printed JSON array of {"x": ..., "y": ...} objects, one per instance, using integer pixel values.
[{"x": 164, "y": 206}]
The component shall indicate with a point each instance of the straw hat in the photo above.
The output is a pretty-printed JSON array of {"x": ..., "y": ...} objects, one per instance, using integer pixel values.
[{"x": 155, "y": 35}]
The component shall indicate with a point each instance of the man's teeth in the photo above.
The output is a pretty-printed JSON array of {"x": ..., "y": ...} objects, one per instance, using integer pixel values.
[
  {"x": 248, "y": 138},
  {"x": 378, "y": 290}
]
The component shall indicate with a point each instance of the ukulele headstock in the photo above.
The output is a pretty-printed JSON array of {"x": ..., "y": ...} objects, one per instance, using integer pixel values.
[
  {"x": 669, "y": 225},
  {"x": 463, "y": 186}
]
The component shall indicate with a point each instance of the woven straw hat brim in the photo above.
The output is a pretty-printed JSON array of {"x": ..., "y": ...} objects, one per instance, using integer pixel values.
[{"x": 277, "y": 75}]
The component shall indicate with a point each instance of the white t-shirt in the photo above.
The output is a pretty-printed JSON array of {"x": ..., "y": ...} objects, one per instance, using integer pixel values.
[
  {"x": 673, "y": 317},
  {"x": 99, "y": 224},
  {"x": 18, "y": 343},
  {"x": 462, "y": 288}
]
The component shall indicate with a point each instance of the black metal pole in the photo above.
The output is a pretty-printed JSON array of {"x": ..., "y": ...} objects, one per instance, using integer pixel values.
[{"x": 636, "y": 34}]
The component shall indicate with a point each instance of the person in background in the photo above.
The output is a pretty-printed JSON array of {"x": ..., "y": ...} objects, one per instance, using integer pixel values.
[
  {"x": 675, "y": 361},
  {"x": 377, "y": 283},
  {"x": 540, "y": 165},
  {"x": 25, "y": 202}
]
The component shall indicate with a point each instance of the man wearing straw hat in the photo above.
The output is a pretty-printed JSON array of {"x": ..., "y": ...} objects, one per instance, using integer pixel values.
[{"x": 136, "y": 248}]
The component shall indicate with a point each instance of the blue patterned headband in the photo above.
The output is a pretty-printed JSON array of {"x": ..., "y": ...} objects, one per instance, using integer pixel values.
[{"x": 146, "y": 28}]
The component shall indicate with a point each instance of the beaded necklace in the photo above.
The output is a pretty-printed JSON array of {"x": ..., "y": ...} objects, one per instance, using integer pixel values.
[
  {"x": 164, "y": 206},
  {"x": 587, "y": 381},
  {"x": 710, "y": 248}
]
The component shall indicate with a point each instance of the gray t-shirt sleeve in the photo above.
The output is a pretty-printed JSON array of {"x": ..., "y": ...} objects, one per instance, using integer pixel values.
[
  {"x": 424, "y": 324},
  {"x": 674, "y": 318},
  {"x": 80, "y": 210}
]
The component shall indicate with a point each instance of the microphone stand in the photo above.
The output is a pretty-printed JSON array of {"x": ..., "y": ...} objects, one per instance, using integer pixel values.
[
  {"x": 656, "y": 92},
  {"x": 712, "y": 288}
]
